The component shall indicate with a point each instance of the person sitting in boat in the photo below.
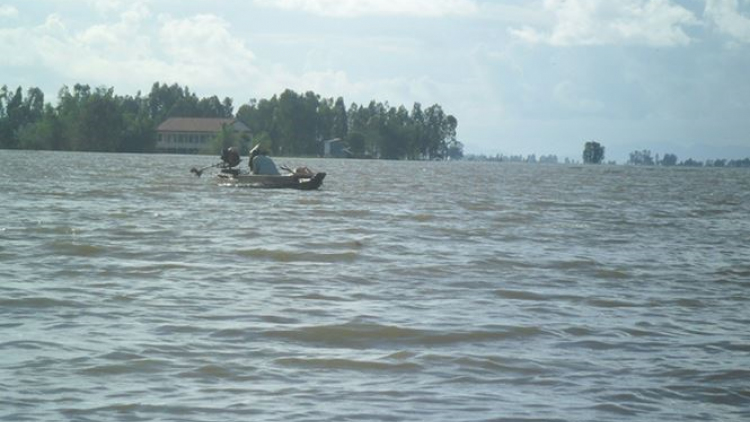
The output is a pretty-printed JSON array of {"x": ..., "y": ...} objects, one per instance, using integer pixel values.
[
  {"x": 261, "y": 163},
  {"x": 230, "y": 156}
]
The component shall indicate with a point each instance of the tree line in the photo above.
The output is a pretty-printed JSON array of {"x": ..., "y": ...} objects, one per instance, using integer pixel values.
[
  {"x": 527, "y": 159},
  {"x": 86, "y": 119},
  {"x": 644, "y": 158},
  {"x": 295, "y": 124},
  {"x": 593, "y": 153}
]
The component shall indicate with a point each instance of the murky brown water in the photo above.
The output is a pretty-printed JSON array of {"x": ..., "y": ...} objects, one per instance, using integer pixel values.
[{"x": 131, "y": 290}]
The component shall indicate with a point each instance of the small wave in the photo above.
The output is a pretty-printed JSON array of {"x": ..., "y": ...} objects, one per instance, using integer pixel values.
[
  {"x": 740, "y": 272},
  {"x": 480, "y": 206},
  {"x": 37, "y": 302},
  {"x": 630, "y": 397},
  {"x": 611, "y": 303},
  {"x": 515, "y": 218},
  {"x": 137, "y": 366},
  {"x": 572, "y": 264},
  {"x": 492, "y": 364},
  {"x": 612, "y": 274},
  {"x": 708, "y": 394},
  {"x": 525, "y": 295},
  {"x": 633, "y": 332},
  {"x": 341, "y": 244},
  {"x": 177, "y": 328},
  {"x": 727, "y": 375},
  {"x": 354, "y": 213},
  {"x": 321, "y": 297},
  {"x": 730, "y": 346},
  {"x": 121, "y": 356},
  {"x": 348, "y": 364},
  {"x": 29, "y": 345},
  {"x": 579, "y": 331},
  {"x": 373, "y": 335},
  {"x": 232, "y": 333},
  {"x": 495, "y": 262},
  {"x": 687, "y": 303},
  {"x": 471, "y": 380},
  {"x": 707, "y": 213},
  {"x": 402, "y": 355},
  {"x": 54, "y": 230},
  {"x": 298, "y": 256},
  {"x": 421, "y": 217},
  {"x": 520, "y": 295},
  {"x": 208, "y": 371},
  {"x": 122, "y": 298},
  {"x": 306, "y": 200},
  {"x": 616, "y": 408},
  {"x": 590, "y": 344},
  {"x": 76, "y": 249}
]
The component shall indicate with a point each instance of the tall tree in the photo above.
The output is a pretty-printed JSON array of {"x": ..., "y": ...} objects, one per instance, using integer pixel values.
[
  {"x": 435, "y": 131},
  {"x": 340, "y": 127},
  {"x": 641, "y": 158},
  {"x": 325, "y": 119},
  {"x": 15, "y": 117},
  {"x": 593, "y": 153},
  {"x": 46, "y": 133},
  {"x": 101, "y": 122}
]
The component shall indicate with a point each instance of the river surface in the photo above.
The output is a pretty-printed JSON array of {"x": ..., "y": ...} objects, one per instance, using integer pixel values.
[{"x": 131, "y": 290}]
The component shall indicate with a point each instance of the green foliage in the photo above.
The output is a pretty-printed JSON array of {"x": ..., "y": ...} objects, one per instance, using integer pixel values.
[
  {"x": 298, "y": 124},
  {"x": 669, "y": 160},
  {"x": 641, "y": 158},
  {"x": 264, "y": 140},
  {"x": 340, "y": 124},
  {"x": 167, "y": 101},
  {"x": 593, "y": 153},
  {"x": 691, "y": 163},
  {"x": 356, "y": 142},
  {"x": 87, "y": 119},
  {"x": 17, "y": 112},
  {"x": 228, "y": 137},
  {"x": 43, "y": 134}
]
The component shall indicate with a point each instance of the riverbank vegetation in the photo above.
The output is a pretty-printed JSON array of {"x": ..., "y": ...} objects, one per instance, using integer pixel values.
[
  {"x": 645, "y": 158},
  {"x": 593, "y": 153},
  {"x": 96, "y": 119}
]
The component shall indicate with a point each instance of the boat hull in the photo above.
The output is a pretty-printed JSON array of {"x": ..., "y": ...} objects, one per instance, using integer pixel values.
[{"x": 291, "y": 181}]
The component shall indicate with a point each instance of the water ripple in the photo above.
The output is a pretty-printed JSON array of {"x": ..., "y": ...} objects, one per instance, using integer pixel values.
[{"x": 132, "y": 290}]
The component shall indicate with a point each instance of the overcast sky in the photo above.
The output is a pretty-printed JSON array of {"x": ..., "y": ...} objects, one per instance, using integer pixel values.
[{"x": 521, "y": 77}]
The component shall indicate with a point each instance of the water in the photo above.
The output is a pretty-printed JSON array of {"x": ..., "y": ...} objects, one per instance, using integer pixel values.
[{"x": 131, "y": 290}]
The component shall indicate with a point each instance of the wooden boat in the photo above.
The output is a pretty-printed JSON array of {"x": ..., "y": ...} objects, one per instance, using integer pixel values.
[{"x": 307, "y": 181}]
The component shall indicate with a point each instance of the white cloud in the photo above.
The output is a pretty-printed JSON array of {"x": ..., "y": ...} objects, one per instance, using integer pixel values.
[
  {"x": 354, "y": 8},
  {"x": 104, "y": 54},
  {"x": 122, "y": 39},
  {"x": 134, "y": 51},
  {"x": 725, "y": 14},
  {"x": 603, "y": 22},
  {"x": 202, "y": 50},
  {"x": 204, "y": 39},
  {"x": 28, "y": 46},
  {"x": 107, "y": 6},
  {"x": 7, "y": 11}
]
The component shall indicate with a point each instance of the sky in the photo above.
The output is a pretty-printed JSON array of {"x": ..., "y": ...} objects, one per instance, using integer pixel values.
[{"x": 521, "y": 77}]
